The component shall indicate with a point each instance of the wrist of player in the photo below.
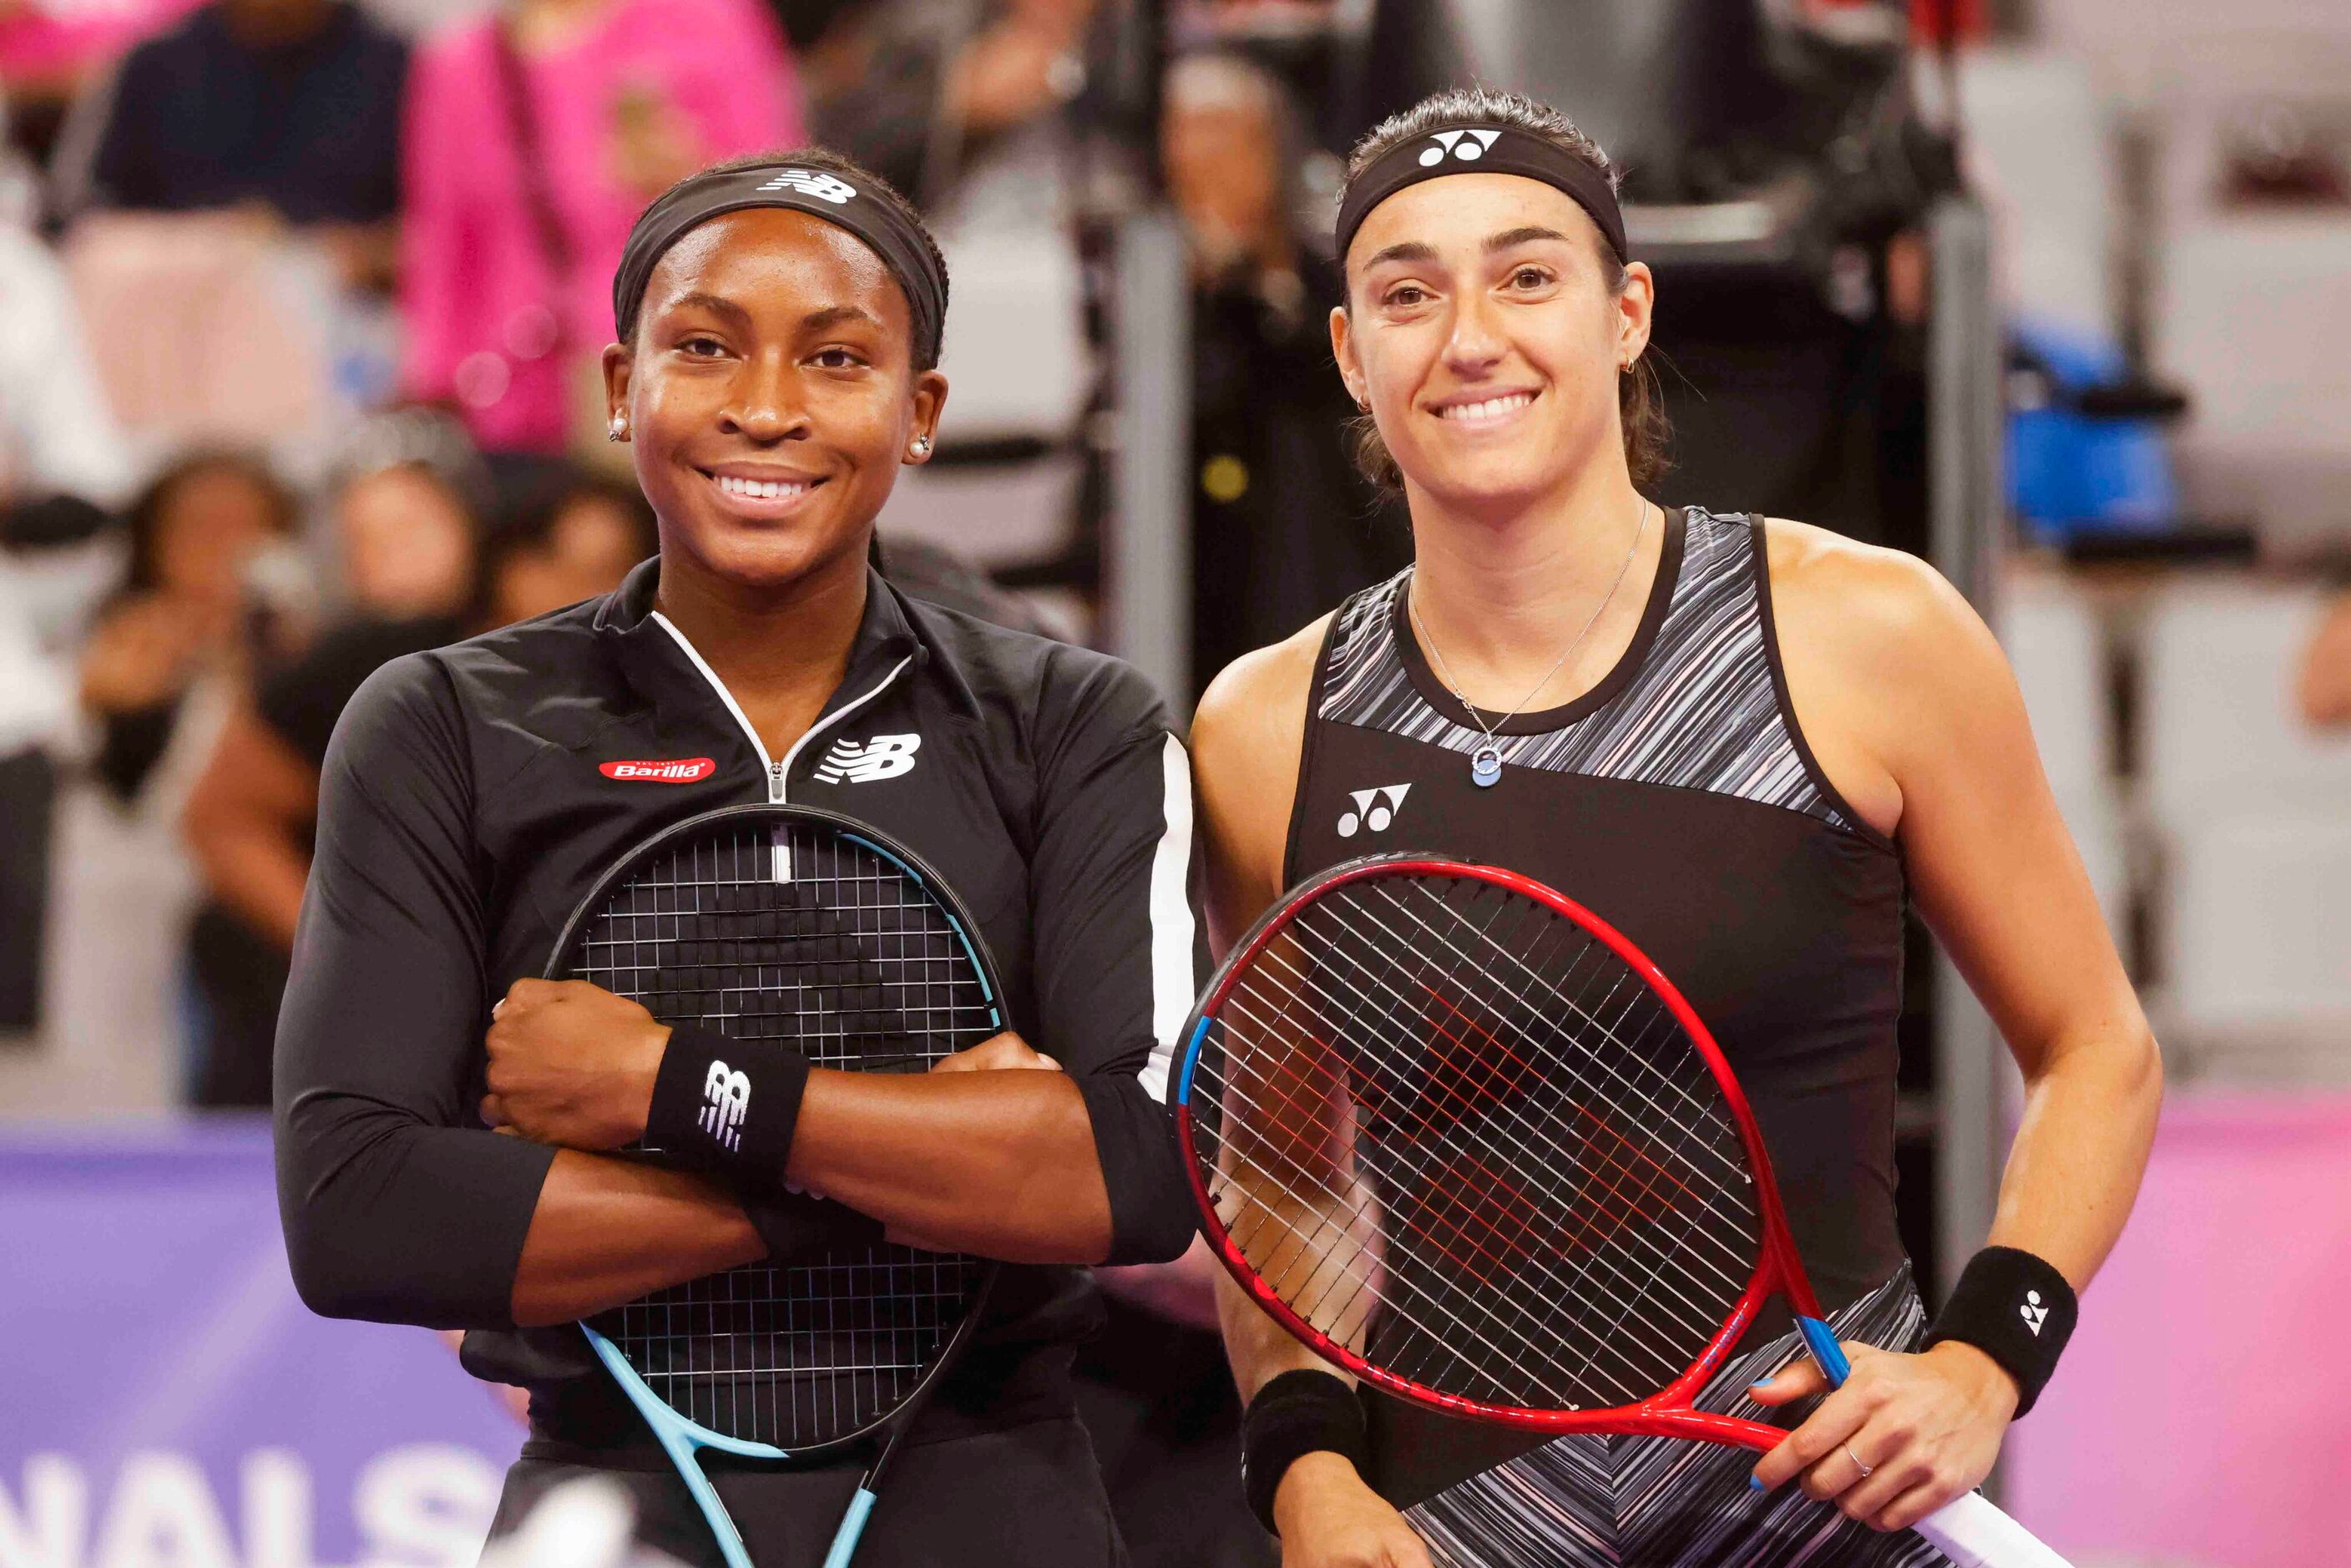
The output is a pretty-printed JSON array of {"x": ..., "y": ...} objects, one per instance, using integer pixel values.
[
  {"x": 1299, "y": 1426},
  {"x": 729, "y": 1107},
  {"x": 1990, "y": 1387},
  {"x": 2015, "y": 1310}
]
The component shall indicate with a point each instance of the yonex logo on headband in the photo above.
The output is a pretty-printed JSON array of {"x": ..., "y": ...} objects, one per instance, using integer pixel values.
[
  {"x": 814, "y": 183},
  {"x": 1467, "y": 145}
]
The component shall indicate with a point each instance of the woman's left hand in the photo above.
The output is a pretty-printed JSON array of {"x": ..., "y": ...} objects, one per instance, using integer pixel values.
[
  {"x": 1906, "y": 1433},
  {"x": 571, "y": 1064}
]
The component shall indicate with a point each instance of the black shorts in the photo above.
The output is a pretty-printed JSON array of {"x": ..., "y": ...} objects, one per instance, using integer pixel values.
[{"x": 1028, "y": 1497}]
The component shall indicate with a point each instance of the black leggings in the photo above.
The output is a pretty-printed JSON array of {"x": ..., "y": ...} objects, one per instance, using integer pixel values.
[{"x": 1031, "y": 1497}]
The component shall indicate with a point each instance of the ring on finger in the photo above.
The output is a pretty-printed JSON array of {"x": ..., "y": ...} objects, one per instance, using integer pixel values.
[{"x": 1865, "y": 1469}]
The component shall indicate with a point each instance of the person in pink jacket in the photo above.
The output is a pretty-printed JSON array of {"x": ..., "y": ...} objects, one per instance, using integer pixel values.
[{"x": 534, "y": 138}]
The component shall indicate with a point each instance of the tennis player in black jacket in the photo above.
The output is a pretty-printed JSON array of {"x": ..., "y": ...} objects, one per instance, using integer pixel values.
[{"x": 779, "y": 324}]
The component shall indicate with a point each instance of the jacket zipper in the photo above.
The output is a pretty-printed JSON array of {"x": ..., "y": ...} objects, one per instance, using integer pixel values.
[{"x": 778, "y": 768}]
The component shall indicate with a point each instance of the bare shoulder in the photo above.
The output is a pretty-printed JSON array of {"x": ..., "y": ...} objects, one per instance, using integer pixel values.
[
  {"x": 1869, "y": 610},
  {"x": 1889, "y": 668},
  {"x": 1248, "y": 738},
  {"x": 1257, "y": 704}
]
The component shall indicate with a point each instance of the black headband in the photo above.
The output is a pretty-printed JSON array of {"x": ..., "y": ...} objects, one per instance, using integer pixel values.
[
  {"x": 816, "y": 192},
  {"x": 1480, "y": 150}
]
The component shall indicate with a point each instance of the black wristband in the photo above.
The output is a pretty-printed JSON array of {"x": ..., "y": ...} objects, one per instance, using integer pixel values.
[
  {"x": 1301, "y": 1412},
  {"x": 727, "y": 1106},
  {"x": 2017, "y": 1310},
  {"x": 796, "y": 1227}
]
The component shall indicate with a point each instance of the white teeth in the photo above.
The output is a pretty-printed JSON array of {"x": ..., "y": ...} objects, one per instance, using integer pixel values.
[
  {"x": 761, "y": 489},
  {"x": 1492, "y": 408}
]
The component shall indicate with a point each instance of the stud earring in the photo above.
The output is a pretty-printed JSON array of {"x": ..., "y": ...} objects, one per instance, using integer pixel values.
[
  {"x": 620, "y": 428},
  {"x": 922, "y": 446}
]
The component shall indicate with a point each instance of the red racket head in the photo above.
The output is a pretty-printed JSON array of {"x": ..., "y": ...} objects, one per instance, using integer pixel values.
[{"x": 1460, "y": 1136}]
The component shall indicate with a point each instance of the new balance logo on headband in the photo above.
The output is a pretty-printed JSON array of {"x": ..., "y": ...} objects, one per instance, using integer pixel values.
[
  {"x": 813, "y": 182},
  {"x": 727, "y": 1095},
  {"x": 1467, "y": 145}
]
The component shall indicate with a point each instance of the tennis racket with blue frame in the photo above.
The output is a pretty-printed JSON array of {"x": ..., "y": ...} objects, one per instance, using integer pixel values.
[{"x": 785, "y": 924}]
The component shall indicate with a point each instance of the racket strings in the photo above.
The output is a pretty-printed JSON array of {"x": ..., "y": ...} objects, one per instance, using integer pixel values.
[
  {"x": 1320, "y": 1307},
  {"x": 796, "y": 934},
  {"x": 1502, "y": 1158},
  {"x": 1579, "y": 1008}
]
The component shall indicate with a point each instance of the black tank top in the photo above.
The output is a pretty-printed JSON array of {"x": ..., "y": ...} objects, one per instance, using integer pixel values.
[{"x": 1677, "y": 800}]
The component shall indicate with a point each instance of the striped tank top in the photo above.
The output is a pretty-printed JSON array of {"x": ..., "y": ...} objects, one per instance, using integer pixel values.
[{"x": 1677, "y": 800}]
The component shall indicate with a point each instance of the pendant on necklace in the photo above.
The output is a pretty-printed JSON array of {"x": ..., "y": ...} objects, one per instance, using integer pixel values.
[{"x": 1486, "y": 766}]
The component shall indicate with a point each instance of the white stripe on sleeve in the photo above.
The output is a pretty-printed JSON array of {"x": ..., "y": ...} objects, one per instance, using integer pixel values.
[{"x": 1173, "y": 982}]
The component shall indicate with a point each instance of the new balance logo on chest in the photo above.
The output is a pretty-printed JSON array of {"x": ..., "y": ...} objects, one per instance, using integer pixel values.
[{"x": 856, "y": 762}]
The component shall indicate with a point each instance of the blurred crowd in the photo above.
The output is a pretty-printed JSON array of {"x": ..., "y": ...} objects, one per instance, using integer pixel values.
[{"x": 300, "y": 308}]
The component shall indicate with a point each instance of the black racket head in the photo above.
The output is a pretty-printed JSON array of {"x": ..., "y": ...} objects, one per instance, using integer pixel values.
[
  {"x": 786, "y": 924},
  {"x": 1463, "y": 1139}
]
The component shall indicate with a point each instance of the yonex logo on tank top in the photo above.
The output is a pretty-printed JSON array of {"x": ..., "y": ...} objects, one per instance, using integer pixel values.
[
  {"x": 1467, "y": 145},
  {"x": 883, "y": 757},
  {"x": 814, "y": 183},
  {"x": 677, "y": 770},
  {"x": 729, "y": 1096},
  {"x": 1375, "y": 809}
]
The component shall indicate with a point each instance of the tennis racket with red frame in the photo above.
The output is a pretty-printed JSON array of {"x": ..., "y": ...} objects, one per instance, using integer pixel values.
[{"x": 1463, "y": 1139}]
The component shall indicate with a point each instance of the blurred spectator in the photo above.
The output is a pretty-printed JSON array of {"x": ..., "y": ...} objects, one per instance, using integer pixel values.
[
  {"x": 250, "y": 816},
  {"x": 917, "y": 89},
  {"x": 61, "y": 459},
  {"x": 58, "y": 432},
  {"x": 287, "y": 107},
  {"x": 1283, "y": 525},
  {"x": 409, "y": 540},
  {"x": 2325, "y": 687},
  {"x": 578, "y": 539},
  {"x": 177, "y": 634},
  {"x": 534, "y": 137}
]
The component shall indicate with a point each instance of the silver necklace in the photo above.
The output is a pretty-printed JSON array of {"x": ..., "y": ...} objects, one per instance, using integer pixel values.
[{"x": 1486, "y": 762}]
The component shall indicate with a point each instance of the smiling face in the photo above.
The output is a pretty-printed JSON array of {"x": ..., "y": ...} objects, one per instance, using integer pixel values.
[
  {"x": 770, "y": 395},
  {"x": 1484, "y": 324}
]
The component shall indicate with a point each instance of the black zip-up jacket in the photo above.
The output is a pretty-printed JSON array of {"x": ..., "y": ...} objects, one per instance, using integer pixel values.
[{"x": 471, "y": 796}]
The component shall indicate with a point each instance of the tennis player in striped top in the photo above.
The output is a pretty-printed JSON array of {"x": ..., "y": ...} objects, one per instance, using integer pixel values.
[{"x": 1744, "y": 742}]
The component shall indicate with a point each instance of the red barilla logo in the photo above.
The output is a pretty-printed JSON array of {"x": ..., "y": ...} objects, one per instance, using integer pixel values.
[{"x": 682, "y": 770}]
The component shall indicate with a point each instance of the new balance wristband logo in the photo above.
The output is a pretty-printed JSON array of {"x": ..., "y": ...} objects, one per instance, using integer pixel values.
[{"x": 727, "y": 1094}]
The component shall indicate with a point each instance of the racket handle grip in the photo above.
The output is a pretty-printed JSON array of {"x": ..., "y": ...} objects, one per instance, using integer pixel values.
[
  {"x": 1973, "y": 1533},
  {"x": 853, "y": 1525}
]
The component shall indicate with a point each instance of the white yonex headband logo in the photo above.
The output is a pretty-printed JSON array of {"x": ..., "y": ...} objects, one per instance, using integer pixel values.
[
  {"x": 727, "y": 1096},
  {"x": 813, "y": 182},
  {"x": 1467, "y": 145}
]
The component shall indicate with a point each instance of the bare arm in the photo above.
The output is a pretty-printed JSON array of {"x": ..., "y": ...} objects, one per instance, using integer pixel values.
[
  {"x": 1911, "y": 706},
  {"x": 246, "y": 821},
  {"x": 1001, "y": 1163},
  {"x": 607, "y": 1231},
  {"x": 1247, "y": 741}
]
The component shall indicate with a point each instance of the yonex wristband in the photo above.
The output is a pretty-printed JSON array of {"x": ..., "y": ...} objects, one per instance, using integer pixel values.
[
  {"x": 726, "y": 1106},
  {"x": 1299, "y": 1413},
  {"x": 2016, "y": 1309}
]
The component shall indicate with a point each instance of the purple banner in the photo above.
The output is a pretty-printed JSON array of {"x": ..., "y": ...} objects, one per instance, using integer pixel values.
[{"x": 166, "y": 1401}]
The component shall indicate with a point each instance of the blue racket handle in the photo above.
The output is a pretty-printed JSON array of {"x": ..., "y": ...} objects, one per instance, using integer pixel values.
[
  {"x": 853, "y": 1525},
  {"x": 1827, "y": 1355}
]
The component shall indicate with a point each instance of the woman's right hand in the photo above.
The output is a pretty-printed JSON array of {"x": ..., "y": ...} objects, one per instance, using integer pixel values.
[{"x": 1330, "y": 1518}]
